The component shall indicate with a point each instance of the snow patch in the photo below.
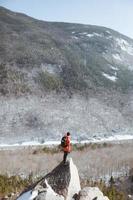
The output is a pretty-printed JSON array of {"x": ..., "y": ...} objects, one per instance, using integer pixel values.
[
  {"x": 95, "y": 34},
  {"x": 114, "y": 68},
  {"x": 130, "y": 68},
  {"x": 121, "y": 42},
  {"x": 29, "y": 143},
  {"x": 98, "y": 139},
  {"x": 109, "y": 36},
  {"x": 112, "y": 78},
  {"x": 91, "y": 34},
  {"x": 83, "y": 33},
  {"x": 116, "y": 56},
  {"x": 124, "y": 45},
  {"x": 75, "y": 37},
  {"x": 111, "y": 138},
  {"x": 28, "y": 195},
  {"x": 119, "y": 138},
  {"x": 51, "y": 143},
  {"x": 108, "y": 32}
]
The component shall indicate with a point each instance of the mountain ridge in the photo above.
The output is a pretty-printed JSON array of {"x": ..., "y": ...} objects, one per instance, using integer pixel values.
[
  {"x": 67, "y": 55},
  {"x": 61, "y": 22},
  {"x": 59, "y": 76}
]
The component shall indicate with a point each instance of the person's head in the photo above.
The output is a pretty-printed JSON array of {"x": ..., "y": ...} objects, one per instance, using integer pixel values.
[{"x": 68, "y": 134}]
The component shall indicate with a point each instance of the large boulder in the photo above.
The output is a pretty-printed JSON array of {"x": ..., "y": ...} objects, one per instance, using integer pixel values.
[
  {"x": 91, "y": 193},
  {"x": 62, "y": 183}
]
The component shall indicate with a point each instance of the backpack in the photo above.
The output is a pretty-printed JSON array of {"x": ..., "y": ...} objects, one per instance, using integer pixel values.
[{"x": 63, "y": 141}]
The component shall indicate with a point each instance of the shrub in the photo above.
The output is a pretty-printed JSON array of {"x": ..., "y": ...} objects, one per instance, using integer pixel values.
[
  {"x": 13, "y": 184},
  {"x": 50, "y": 81}
]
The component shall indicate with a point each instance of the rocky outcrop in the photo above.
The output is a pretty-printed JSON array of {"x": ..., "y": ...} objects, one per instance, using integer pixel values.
[
  {"x": 61, "y": 184},
  {"x": 91, "y": 193},
  {"x": 130, "y": 197},
  {"x": 41, "y": 192}
]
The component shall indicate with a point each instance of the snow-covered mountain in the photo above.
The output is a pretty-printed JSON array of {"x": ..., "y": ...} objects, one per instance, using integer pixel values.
[{"x": 56, "y": 77}]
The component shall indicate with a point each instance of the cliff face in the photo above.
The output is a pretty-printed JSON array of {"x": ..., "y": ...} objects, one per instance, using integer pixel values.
[
  {"x": 62, "y": 183},
  {"x": 59, "y": 76}
]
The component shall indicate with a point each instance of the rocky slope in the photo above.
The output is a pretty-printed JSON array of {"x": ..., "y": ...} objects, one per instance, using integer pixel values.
[{"x": 59, "y": 76}]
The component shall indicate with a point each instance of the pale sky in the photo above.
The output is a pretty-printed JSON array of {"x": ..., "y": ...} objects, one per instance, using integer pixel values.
[{"x": 115, "y": 14}]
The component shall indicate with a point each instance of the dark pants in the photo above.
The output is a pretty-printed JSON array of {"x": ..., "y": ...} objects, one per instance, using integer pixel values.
[{"x": 65, "y": 156}]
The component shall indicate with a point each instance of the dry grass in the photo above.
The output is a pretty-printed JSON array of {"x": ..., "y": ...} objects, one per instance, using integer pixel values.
[{"x": 93, "y": 162}]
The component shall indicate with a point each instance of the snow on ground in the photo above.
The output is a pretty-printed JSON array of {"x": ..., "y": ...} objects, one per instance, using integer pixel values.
[
  {"x": 117, "y": 57},
  {"x": 124, "y": 45},
  {"x": 130, "y": 68},
  {"x": 30, "y": 143},
  {"x": 114, "y": 68},
  {"x": 55, "y": 143},
  {"x": 28, "y": 195},
  {"x": 97, "y": 34},
  {"x": 108, "y": 32},
  {"x": 112, "y": 78},
  {"x": 121, "y": 42},
  {"x": 91, "y": 34},
  {"x": 94, "y": 34},
  {"x": 75, "y": 37},
  {"x": 117, "y": 138},
  {"x": 109, "y": 37},
  {"x": 108, "y": 139},
  {"x": 83, "y": 33}
]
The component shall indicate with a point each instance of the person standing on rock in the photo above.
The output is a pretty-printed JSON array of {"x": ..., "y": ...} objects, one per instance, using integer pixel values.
[{"x": 66, "y": 144}]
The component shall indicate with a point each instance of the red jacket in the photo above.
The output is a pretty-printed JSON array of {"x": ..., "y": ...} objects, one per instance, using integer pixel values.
[{"x": 68, "y": 147}]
